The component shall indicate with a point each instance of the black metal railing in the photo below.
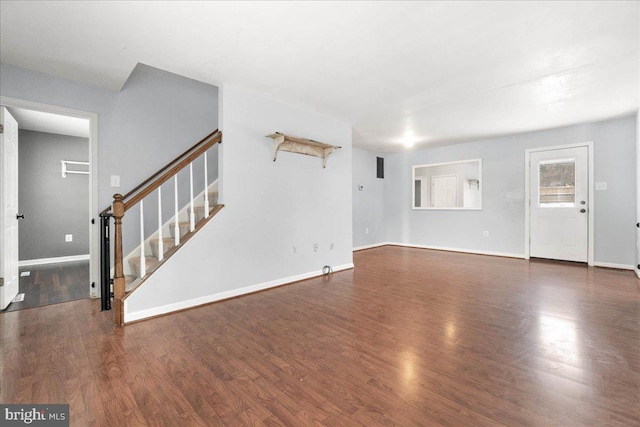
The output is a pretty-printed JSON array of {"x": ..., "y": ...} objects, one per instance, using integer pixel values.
[{"x": 105, "y": 261}]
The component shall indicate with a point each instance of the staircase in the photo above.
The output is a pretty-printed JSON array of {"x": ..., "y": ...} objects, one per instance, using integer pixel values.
[
  {"x": 152, "y": 246},
  {"x": 167, "y": 236}
]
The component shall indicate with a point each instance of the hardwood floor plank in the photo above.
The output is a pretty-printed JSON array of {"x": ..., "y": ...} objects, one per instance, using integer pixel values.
[{"x": 410, "y": 337}]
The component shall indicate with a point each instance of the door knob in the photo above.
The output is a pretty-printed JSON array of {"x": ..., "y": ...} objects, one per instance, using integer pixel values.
[
  {"x": 583, "y": 210},
  {"x": 19, "y": 216}
]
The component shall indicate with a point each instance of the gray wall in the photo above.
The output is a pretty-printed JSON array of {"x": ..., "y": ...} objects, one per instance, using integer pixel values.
[
  {"x": 368, "y": 204},
  {"x": 155, "y": 117},
  {"x": 52, "y": 205},
  {"x": 503, "y": 192}
]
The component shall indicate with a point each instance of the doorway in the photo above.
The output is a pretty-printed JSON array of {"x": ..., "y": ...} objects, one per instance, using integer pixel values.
[
  {"x": 444, "y": 191},
  {"x": 559, "y": 205},
  {"x": 58, "y": 147}
]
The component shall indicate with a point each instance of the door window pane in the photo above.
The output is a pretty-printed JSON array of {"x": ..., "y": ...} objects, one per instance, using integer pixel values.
[{"x": 557, "y": 183}]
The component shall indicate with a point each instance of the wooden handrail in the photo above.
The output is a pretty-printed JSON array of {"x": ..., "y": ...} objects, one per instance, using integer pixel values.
[
  {"x": 215, "y": 136},
  {"x": 171, "y": 172}
]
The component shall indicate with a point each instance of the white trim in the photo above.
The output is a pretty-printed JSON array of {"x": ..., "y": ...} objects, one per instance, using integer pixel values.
[
  {"x": 53, "y": 260},
  {"x": 375, "y": 245},
  {"x": 94, "y": 234},
  {"x": 466, "y": 251},
  {"x": 181, "y": 305},
  {"x": 613, "y": 265},
  {"x": 591, "y": 189},
  {"x": 637, "y": 260}
]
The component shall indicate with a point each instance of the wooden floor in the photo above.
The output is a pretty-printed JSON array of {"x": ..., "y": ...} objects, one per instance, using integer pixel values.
[
  {"x": 409, "y": 337},
  {"x": 52, "y": 284}
]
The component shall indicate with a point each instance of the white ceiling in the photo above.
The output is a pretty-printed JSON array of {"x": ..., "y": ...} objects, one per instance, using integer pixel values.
[
  {"x": 431, "y": 72},
  {"x": 50, "y": 123}
]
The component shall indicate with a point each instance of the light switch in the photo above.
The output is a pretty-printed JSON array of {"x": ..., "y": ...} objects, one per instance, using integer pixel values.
[
  {"x": 601, "y": 186},
  {"x": 115, "y": 180}
]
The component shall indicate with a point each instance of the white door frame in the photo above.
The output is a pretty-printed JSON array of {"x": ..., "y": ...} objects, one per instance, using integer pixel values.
[
  {"x": 94, "y": 235},
  {"x": 527, "y": 195},
  {"x": 413, "y": 191},
  {"x": 637, "y": 263}
]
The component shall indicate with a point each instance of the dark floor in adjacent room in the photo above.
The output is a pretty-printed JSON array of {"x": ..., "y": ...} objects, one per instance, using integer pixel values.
[
  {"x": 410, "y": 337},
  {"x": 52, "y": 284}
]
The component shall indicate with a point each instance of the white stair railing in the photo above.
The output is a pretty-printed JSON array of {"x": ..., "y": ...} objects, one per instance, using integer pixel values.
[
  {"x": 160, "y": 239},
  {"x": 143, "y": 265},
  {"x": 176, "y": 227},
  {"x": 192, "y": 216},
  {"x": 206, "y": 191}
]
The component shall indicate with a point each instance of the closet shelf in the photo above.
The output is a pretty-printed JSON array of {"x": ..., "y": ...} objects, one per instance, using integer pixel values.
[{"x": 293, "y": 144}]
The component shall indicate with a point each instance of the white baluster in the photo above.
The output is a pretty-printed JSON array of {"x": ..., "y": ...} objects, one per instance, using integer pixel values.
[
  {"x": 192, "y": 218},
  {"x": 160, "y": 241},
  {"x": 206, "y": 190},
  {"x": 177, "y": 225},
  {"x": 143, "y": 266}
]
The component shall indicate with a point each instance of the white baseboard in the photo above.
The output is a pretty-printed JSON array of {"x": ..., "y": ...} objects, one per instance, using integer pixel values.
[
  {"x": 181, "y": 305},
  {"x": 466, "y": 251},
  {"x": 613, "y": 265},
  {"x": 375, "y": 245},
  {"x": 638, "y": 273},
  {"x": 501, "y": 254},
  {"x": 55, "y": 260}
]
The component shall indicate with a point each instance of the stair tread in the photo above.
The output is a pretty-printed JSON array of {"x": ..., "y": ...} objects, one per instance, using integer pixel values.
[
  {"x": 164, "y": 239},
  {"x": 146, "y": 257},
  {"x": 149, "y": 260},
  {"x": 198, "y": 207}
]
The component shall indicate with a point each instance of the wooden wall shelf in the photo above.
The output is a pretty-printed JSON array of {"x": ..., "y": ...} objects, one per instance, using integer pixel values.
[{"x": 293, "y": 144}]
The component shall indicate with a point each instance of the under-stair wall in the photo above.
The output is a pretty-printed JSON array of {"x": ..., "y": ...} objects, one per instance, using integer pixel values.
[{"x": 274, "y": 211}]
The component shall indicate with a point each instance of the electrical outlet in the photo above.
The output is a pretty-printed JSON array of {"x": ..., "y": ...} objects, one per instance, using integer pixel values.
[
  {"x": 294, "y": 249},
  {"x": 315, "y": 247},
  {"x": 331, "y": 246},
  {"x": 68, "y": 237},
  {"x": 366, "y": 230},
  {"x": 115, "y": 180},
  {"x": 486, "y": 233}
]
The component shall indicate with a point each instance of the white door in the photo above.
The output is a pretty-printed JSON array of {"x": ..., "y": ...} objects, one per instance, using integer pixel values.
[
  {"x": 559, "y": 204},
  {"x": 444, "y": 191},
  {"x": 8, "y": 208}
]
